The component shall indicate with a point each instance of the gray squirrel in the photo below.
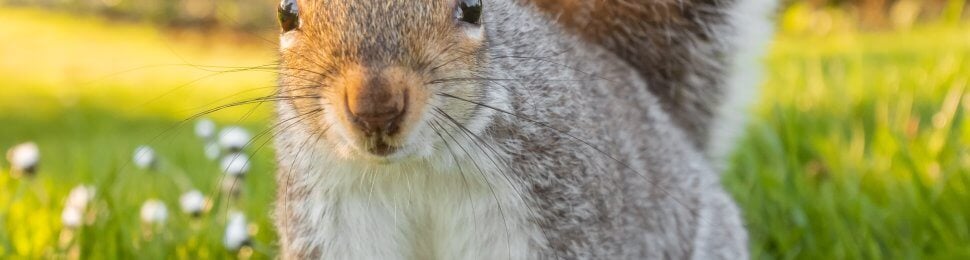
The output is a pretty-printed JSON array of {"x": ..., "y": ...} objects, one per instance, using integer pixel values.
[{"x": 498, "y": 129}]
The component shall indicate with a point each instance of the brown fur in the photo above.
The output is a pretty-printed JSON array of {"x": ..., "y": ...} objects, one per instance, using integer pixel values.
[{"x": 361, "y": 68}]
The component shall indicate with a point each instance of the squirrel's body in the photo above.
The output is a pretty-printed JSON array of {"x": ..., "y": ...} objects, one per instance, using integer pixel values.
[{"x": 545, "y": 146}]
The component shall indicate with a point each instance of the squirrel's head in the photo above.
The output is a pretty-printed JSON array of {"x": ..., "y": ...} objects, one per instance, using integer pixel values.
[{"x": 383, "y": 79}]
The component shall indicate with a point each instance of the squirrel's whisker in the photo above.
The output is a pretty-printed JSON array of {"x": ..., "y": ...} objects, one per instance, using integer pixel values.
[{"x": 579, "y": 140}]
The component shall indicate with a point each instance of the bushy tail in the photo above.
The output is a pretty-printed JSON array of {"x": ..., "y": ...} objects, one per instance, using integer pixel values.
[{"x": 699, "y": 57}]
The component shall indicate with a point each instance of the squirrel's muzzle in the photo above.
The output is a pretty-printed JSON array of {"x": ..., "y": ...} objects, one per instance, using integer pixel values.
[
  {"x": 377, "y": 105},
  {"x": 381, "y": 107}
]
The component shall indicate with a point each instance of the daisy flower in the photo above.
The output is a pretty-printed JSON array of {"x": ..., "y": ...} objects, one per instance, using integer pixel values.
[
  {"x": 234, "y": 138},
  {"x": 205, "y": 128},
  {"x": 193, "y": 203},
  {"x": 237, "y": 234},
  {"x": 24, "y": 158},
  {"x": 154, "y": 212},
  {"x": 144, "y": 157}
]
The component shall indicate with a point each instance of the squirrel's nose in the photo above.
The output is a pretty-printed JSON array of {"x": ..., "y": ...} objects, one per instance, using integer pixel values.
[
  {"x": 378, "y": 122},
  {"x": 376, "y": 110}
]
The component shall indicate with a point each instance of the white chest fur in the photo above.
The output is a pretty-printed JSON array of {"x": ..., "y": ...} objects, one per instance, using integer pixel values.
[{"x": 419, "y": 210}]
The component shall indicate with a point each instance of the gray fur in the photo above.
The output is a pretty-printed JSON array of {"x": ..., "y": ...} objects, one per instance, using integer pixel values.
[
  {"x": 589, "y": 205},
  {"x": 604, "y": 170},
  {"x": 678, "y": 46}
]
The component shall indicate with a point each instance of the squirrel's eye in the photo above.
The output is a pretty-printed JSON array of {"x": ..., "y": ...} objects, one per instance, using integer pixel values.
[
  {"x": 469, "y": 11},
  {"x": 289, "y": 14}
]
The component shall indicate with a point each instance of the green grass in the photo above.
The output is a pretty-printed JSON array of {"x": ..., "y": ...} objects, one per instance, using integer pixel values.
[
  {"x": 88, "y": 92},
  {"x": 92, "y": 146},
  {"x": 858, "y": 146}
]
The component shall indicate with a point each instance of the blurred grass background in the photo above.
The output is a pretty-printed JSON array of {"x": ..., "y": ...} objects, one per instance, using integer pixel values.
[{"x": 858, "y": 147}]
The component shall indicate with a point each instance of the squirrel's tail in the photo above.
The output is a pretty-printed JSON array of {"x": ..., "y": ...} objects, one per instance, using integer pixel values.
[{"x": 699, "y": 57}]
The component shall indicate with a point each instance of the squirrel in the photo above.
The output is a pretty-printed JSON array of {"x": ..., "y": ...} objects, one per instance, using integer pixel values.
[{"x": 481, "y": 129}]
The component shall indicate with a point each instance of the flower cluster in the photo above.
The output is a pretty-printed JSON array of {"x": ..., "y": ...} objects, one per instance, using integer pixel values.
[{"x": 225, "y": 149}]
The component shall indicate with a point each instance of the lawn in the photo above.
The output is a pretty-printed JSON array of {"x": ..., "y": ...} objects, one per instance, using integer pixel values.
[{"x": 858, "y": 145}]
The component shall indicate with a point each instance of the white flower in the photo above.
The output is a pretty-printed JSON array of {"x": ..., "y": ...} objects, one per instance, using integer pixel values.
[
  {"x": 237, "y": 235},
  {"x": 205, "y": 128},
  {"x": 72, "y": 217},
  {"x": 144, "y": 157},
  {"x": 212, "y": 150},
  {"x": 192, "y": 202},
  {"x": 76, "y": 205},
  {"x": 24, "y": 157},
  {"x": 235, "y": 164},
  {"x": 154, "y": 212},
  {"x": 79, "y": 197},
  {"x": 234, "y": 138}
]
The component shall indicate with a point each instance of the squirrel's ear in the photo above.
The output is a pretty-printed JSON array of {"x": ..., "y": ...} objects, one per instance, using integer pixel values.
[
  {"x": 469, "y": 11},
  {"x": 289, "y": 15}
]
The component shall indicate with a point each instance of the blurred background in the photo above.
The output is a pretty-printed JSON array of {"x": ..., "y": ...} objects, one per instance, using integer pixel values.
[{"x": 122, "y": 117}]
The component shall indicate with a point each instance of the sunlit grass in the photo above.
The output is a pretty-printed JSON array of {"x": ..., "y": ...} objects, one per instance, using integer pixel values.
[
  {"x": 858, "y": 147},
  {"x": 53, "y": 62},
  {"x": 89, "y": 92}
]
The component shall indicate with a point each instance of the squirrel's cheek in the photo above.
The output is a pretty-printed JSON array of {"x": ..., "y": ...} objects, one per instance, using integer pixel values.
[{"x": 287, "y": 40}]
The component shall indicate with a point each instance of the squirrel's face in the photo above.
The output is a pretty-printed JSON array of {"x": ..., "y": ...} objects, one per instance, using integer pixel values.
[{"x": 378, "y": 79}]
